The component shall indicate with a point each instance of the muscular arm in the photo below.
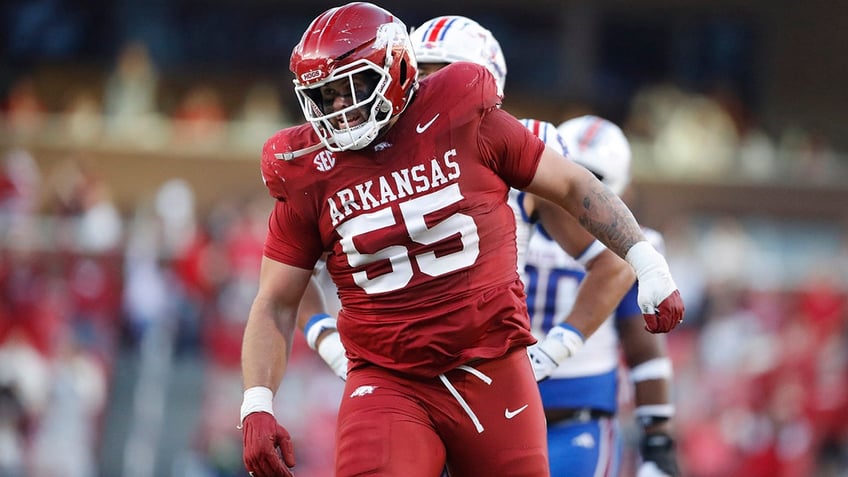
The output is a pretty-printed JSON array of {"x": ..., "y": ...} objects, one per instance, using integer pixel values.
[
  {"x": 651, "y": 373},
  {"x": 598, "y": 210},
  {"x": 606, "y": 217},
  {"x": 265, "y": 350},
  {"x": 639, "y": 348},
  {"x": 268, "y": 335},
  {"x": 608, "y": 277}
]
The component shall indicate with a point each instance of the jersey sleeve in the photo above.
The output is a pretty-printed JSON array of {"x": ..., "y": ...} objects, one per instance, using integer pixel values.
[
  {"x": 511, "y": 149},
  {"x": 270, "y": 177},
  {"x": 276, "y": 167},
  {"x": 291, "y": 240}
]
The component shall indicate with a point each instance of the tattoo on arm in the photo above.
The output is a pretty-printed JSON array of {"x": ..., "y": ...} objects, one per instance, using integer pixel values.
[{"x": 609, "y": 220}]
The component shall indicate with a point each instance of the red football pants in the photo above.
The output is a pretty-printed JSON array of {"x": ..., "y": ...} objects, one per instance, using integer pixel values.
[{"x": 480, "y": 420}]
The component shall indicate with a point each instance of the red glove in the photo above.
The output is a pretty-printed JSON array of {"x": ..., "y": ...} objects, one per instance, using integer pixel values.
[
  {"x": 658, "y": 297},
  {"x": 669, "y": 314},
  {"x": 268, "y": 449}
]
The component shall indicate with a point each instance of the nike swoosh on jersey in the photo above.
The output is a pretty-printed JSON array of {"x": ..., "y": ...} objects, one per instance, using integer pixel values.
[
  {"x": 510, "y": 414},
  {"x": 420, "y": 129}
]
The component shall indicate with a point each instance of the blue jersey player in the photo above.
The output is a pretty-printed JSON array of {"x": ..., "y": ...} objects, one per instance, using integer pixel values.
[{"x": 580, "y": 394}]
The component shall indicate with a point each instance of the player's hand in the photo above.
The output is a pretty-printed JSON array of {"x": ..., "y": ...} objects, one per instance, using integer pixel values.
[
  {"x": 543, "y": 365},
  {"x": 667, "y": 315},
  {"x": 659, "y": 457},
  {"x": 561, "y": 342},
  {"x": 659, "y": 299},
  {"x": 268, "y": 449}
]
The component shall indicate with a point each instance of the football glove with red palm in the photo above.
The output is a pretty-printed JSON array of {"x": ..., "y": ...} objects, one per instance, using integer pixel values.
[
  {"x": 268, "y": 449},
  {"x": 660, "y": 301}
]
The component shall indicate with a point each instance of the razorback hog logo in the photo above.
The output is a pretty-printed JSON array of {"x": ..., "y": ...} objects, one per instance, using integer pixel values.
[
  {"x": 362, "y": 391},
  {"x": 311, "y": 75}
]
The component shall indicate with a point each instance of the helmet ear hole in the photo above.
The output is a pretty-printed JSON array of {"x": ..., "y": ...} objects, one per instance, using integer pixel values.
[{"x": 402, "y": 76}]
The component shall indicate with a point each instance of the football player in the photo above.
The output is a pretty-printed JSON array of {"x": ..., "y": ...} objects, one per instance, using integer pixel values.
[
  {"x": 449, "y": 39},
  {"x": 403, "y": 186},
  {"x": 581, "y": 396}
]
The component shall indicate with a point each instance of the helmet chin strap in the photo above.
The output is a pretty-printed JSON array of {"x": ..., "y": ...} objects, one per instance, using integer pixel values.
[
  {"x": 291, "y": 155},
  {"x": 288, "y": 156}
]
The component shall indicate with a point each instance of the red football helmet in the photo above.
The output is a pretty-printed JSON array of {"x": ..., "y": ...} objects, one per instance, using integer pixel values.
[{"x": 361, "y": 43}]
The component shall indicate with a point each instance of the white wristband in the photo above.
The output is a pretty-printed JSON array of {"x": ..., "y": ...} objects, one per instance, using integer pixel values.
[
  {"x": 643, "y": 257},
  {"x": 333, "y": 353},
  {"x": 658, "y": 410},
  {"x": 655, "y": 282},
  {"x": 317, "y": 325},
  {"x": 256, "y": 399},
  {"x": 657, "y": 368}
]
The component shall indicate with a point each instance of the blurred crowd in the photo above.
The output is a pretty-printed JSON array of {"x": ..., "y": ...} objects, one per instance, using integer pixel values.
[
  {"x": 712, "y": 136},
  {"x": 128, "y": 107},
  {"x": 684, "y": 135},
  {"x": 761, "y": 363},
  {"x": 82, "y": 284}
]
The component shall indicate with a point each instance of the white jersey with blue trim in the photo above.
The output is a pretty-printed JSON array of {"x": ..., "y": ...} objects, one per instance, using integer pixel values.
[
  {"x": 552, "y": 280},
  {"x": 552, "y": 277},
  {"x": 523, "y": 228}
]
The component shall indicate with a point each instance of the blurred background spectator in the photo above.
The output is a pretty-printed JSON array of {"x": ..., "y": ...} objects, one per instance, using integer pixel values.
[
  {"x": 130, "y": 97},
  {"x": 26, "y": 113},
  {"x": 82, "y": 119},
  {"x": 132, "y": 218},
  {"x": 200, "y": 120},
  {"x": 262, "y": 114}
]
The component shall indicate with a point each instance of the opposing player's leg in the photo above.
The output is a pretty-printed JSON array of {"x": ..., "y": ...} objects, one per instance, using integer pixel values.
[
  {"x": 584, "y": 449},
  {"x": 493, "y": 420},
  {"x": 383, "y": 430}
]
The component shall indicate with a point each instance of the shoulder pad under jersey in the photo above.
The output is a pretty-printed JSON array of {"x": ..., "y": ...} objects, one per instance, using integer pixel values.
[
  {"x": 462, "y": 86},
  {"x": 284, "y": 155}
]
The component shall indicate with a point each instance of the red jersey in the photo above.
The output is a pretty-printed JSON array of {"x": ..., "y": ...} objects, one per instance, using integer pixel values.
[{"x": 419, "y": 235}]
